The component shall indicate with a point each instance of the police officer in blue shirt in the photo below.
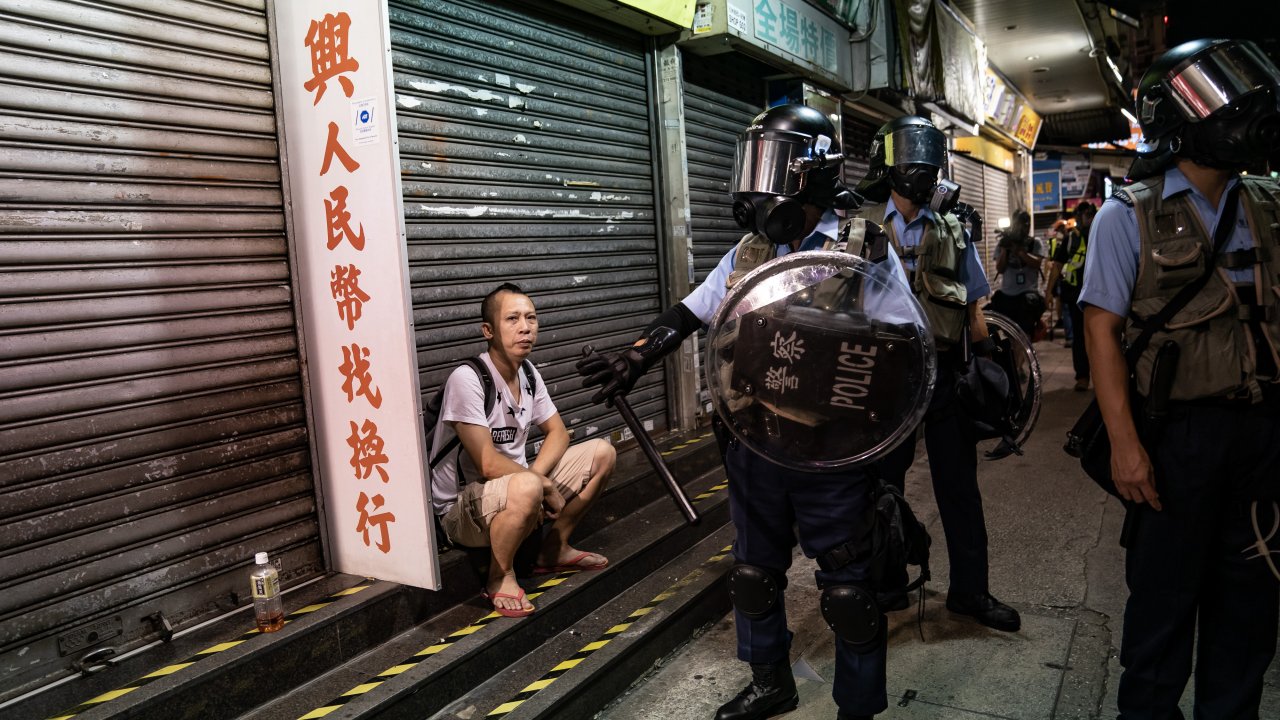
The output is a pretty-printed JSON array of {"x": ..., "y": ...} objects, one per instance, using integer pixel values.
[
  {"x": 1205, "y": 446},
  {"x": 787, "y": 212},
  {"x": 907, "y": 155}
]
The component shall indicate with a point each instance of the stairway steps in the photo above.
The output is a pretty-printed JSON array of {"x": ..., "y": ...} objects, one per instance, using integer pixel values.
[
  {"x": 476, "y": 641},
  {"x": 579, "y": 671},
  {"x": 354, "y": 638}
]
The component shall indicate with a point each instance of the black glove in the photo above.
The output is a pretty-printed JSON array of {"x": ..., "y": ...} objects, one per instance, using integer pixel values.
[{"x": 615, "y": 373}]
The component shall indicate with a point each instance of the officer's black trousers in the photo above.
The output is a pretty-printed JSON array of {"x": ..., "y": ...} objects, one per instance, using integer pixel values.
[
  {"x": 1187, "y": 566},
  {"x": 766, "y": 502},
  {"x": 953, "y": 467}
]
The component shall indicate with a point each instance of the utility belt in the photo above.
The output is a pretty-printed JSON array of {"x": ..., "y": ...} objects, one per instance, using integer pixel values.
[{"x": 1240, "y": 400}]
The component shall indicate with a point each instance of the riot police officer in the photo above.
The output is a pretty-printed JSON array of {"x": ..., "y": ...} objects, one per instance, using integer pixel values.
[
  {"x": 1206, "y": 443},
  {"x": 907, "y": 156},
  {"x": 785, "y": 187}
]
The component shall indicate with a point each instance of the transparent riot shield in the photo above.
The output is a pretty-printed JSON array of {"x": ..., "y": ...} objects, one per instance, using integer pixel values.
[
  {"x": 820, "y": 360},
  {"x": 1016, "y": 356}
]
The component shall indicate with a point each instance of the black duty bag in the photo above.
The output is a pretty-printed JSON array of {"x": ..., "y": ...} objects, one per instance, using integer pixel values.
[{"x": 1088, "y": 440}]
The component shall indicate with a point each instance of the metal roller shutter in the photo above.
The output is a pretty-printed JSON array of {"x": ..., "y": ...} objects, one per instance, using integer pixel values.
[
  {"x": 996, "y": 193},
  {"x": 721, "y": 96},
  {"x": 526, "y": 155},
  {"x": 968, "y": 172},
  {"x": 858, "y": 134},
  {"x": 152, "y": 429}
]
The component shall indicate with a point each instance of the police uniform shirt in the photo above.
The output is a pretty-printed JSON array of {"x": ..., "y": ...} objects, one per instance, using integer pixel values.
[
  {"x": 1111, "y": 265},
  {"x": 911, "y": 234},
  {"x": 706, "y": 298},
  {"x": 508, "y": 422}
]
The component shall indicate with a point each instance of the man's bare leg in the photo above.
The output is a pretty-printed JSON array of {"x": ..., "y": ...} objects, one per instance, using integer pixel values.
[
  {"x": 556, "y": 549},
  {"x": 507, "y": 530}
]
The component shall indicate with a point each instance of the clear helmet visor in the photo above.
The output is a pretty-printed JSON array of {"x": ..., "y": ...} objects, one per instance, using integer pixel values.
[
  {"x": 1220, "y": 77},
  {"x": 915, "y": 144},
  {"x": 765, "y": 162}
]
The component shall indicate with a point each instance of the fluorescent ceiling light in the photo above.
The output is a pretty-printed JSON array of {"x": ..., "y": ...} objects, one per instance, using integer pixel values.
[
  {"x": 1127, "y": 113},
  {"x": 1112, "y": 64}
]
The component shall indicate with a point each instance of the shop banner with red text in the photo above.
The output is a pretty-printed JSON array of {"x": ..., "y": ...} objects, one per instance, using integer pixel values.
[{"x": 343, "y": 179}]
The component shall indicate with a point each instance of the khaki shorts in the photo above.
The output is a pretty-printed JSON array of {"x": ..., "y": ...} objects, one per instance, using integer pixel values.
[{"x": 467, "y": 522}]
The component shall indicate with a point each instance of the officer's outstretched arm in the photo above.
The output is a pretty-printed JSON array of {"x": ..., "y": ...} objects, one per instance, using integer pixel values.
[{"x": 616, "y": 373}]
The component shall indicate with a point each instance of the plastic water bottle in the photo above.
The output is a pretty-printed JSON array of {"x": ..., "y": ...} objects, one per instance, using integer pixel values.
[{"x": 267, "y": 608}]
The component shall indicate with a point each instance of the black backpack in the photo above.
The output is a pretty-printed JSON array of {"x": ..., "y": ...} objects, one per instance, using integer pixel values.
[{"x": 431, "y": 412}]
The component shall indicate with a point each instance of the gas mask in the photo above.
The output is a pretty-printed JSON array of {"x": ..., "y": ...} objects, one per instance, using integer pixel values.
[
  {"x": 781, "y": 219},
  {"x": 915, "y": 181}
]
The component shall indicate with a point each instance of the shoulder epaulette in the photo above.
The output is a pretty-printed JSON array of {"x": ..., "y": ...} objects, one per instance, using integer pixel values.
[{"x": 1122, "y": 195}]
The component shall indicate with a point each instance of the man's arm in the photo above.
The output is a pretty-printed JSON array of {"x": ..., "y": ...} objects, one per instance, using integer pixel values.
[
  {"x": 477, "y": 440},
  {"x": 1130, "y": 467},
  {"x": 1055, "y": 269},
  {"x": 978, "y": 330},
  {"x": 555, "y": 441}
]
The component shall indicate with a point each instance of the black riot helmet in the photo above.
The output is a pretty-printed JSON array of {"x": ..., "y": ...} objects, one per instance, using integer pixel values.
[
  {"x": 787, "y": 158},
  {"x": 907, "y": 155},
  {"x": 1214, "y": 102}
]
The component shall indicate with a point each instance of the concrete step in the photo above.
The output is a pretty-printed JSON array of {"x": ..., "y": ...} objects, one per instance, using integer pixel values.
[
  {"x": 222, "y": 670},
  {"x": 586, "y": 666},
  {"x": 425, "y": 668}
]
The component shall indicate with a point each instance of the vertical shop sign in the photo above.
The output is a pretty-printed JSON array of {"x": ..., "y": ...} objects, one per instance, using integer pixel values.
[{"x": 348, "y": 233}]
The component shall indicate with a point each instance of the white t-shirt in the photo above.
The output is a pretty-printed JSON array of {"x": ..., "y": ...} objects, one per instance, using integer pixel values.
[{"x": 508, "y": 422}]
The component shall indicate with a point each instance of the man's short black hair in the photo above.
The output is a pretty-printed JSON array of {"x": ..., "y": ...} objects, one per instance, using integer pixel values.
[
  {"x": 489, "y": 306},
  {"x": 1084, "y": 207}
]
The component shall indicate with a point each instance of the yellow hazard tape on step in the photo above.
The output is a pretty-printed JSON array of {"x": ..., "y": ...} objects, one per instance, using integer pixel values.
[
  {"x": 565, "y": 666},
  {"x": 427, "y": 652},
  {"x": 220, "y": 647},
  {"x": 685, "y": 444}
]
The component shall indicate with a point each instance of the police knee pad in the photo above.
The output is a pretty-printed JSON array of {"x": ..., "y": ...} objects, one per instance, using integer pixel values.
[
  {"x": 853, "y": 615},
  {"x": 753, "y": 590}
]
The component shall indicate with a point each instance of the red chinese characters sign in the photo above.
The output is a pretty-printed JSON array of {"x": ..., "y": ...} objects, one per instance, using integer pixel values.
[{"x": 347, "y": 229}]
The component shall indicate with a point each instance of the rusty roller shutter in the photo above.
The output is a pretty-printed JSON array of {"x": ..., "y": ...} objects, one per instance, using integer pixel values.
[
  {"x": 526, "y": 155},
  {"x": 152, "y": 432}
]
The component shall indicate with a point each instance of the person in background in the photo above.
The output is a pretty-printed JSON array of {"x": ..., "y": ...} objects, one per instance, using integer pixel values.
[
  {"x": 1066, "y": 267},
  {"x": 1201, "y": 473},
  {"x": 1019, "y": 255}
]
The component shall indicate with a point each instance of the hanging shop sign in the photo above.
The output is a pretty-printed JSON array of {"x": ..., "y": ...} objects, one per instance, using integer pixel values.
[
  {"x": 791, "y": 34},
  {"x": 1008, "y": 111},
  {"x": 348, "y": 238}
]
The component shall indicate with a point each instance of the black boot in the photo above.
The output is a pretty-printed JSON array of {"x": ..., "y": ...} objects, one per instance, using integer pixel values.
[
  {"x": 772, "y": 691},
  {"x": 986, "y": 610}
]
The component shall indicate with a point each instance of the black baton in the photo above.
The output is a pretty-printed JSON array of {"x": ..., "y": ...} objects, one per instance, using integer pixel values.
[{"x": 651, "y": 452}]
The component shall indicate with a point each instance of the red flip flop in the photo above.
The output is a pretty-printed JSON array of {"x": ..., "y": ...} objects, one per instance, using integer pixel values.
[
  {"x": 508, "y": 612},
  {"x": 574, "y": 563}
]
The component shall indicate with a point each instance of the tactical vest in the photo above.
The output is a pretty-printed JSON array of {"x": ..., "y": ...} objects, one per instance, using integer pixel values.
[
  {"x": 936, "y": 280},
  {"x": 1217, "y": 349},
  {"x": 755, "y": 250},
  {"x": 1073, "y": 268}
]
